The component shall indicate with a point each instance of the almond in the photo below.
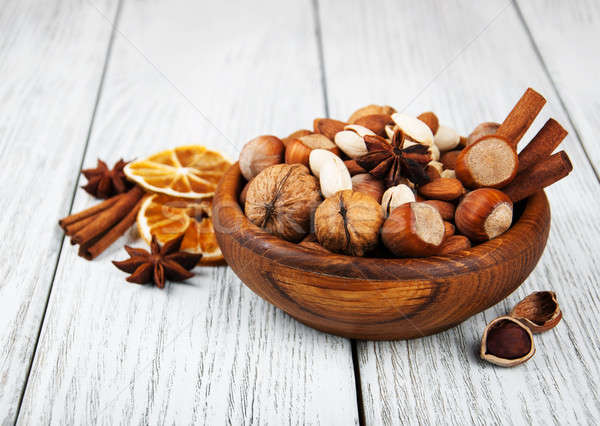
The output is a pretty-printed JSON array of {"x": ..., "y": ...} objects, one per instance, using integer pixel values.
[
  {"x": 354, "y": 168},
  {"x": 445, "y": 189},
  {"x": 454, "y": 243},
  {"x": 375, "y": 122},
  {"x": 431, "y": 120},
  {"x": 449, "y": 229},
  {"x": 328, "y": 127}
]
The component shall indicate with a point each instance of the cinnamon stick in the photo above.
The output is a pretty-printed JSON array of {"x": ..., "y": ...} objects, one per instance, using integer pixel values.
[
  {"x": 109, "y": 217},
  {"x": 97, "y": 245},
  {"x": 542, "y": 145},
  {"x": 76, "y": 217},
  {"x": 521, "y": 116},
  {"x": 73, "y": 228},
  {"x": 539, "y": 176}
]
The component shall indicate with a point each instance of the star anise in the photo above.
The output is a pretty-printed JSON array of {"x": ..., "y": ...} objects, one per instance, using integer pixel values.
[
  {"x": 166, "y": 263},
  {"x": 393, "y": 162},
  {"x": 104, "y": 182}
]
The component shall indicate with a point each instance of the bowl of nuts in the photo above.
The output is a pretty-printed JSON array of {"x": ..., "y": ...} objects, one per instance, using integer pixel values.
[{"x": 353, "y": 229}]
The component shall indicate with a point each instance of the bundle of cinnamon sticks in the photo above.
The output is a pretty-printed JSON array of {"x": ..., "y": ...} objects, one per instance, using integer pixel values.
[
  {"x": 537, "y": 166},
  {"x": 96, "y": 228}
]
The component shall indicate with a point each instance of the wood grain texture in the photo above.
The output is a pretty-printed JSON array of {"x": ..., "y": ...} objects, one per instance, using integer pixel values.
[
  {"x": 207, "y": 351},
  {"x": 566, "y": 36},
  {"x": 372, "y": 298},
  {"x": 51, "y": 61},
  {"x": 470, "y": 63}
]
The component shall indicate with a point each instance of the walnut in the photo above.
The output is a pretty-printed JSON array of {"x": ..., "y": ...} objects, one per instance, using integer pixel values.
[
  {"x": 349, "y": 222},
  {"x": 281, "y": 199}
]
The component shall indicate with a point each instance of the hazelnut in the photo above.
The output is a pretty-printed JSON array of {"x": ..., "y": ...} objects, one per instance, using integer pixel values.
[
  {"x": 368, "y": 184},
  {"x": 295, "y": 135},
  {"x": 413, "y": 230},
  {"x": 445, "y": 208},
  {"x": 351, "y": 141},
  {"x": 506, "y": 342},
  {"x": 395, "y": 196},
  {"x": 484, "y": 214},
  {"x": 539, "y": 311},
  {"x": 349, "y": 222},
  {"x": 483, "y": 129},
  {"x": 260, "y": 153},
  {"x": 490, "y": 162},
  {"x": 281, "y": 200},
  {"x": 298, "y": 151}
]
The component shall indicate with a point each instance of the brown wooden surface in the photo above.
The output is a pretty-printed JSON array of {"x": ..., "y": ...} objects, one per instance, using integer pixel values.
[{"x": 374, "y": 298}]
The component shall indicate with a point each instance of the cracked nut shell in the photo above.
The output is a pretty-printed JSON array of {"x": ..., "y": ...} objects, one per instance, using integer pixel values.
[
  {"x": 348, "y": 222},
  {"x": 281, "y": 200},
  {"x": 539, "y": 311},
  {"x": 507, "y": 342}
]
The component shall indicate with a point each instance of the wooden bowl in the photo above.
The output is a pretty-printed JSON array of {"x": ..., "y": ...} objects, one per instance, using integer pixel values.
[{"x": 374, "y": 298}]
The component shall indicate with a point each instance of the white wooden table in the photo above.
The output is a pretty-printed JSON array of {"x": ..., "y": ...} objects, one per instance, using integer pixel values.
[{"x": 120, "y": 78}]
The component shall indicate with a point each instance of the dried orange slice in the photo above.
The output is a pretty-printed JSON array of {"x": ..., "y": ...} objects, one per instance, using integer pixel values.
[
  {"x": 186, "y": 171},
  {"x": 168, "y": 217}
]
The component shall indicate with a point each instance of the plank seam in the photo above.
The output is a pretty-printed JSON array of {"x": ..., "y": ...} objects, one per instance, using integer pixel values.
[
  {"x": 540, "y": 58},
  {"x": 61, "y": 244},
  {"x": 353, "y": 344},
  {"x": 319, "y": 37},
  {"x": 357, "y": 383}
]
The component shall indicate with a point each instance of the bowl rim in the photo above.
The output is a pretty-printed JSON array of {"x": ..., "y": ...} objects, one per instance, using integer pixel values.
[{"x": 228, "y": 218}]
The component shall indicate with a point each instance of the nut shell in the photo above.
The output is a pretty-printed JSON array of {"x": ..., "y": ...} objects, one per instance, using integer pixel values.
[
  {"x": 349, "y": 222},
  {"x": 483, "y": 129},
  {"x": 260, "y": 153},
  {"x": 298, "y": 151},
  {"x": 507, "y": 342},
  {"x": 539, "y": 311},
  {"x": 484, "y": 214},
  {"x": 281, "y": 200}
]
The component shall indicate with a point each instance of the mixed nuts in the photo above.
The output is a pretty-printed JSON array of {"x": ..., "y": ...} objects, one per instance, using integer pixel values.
[{"x": 398, "y": 185}]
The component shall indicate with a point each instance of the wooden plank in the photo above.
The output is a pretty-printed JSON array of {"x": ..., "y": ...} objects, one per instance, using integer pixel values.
[
  {"x": 209, "y": 351},
  {"x": 470, "y": 63},
  {"x": 51, "y": 61},
  {"x": 566, "y": 35}
]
